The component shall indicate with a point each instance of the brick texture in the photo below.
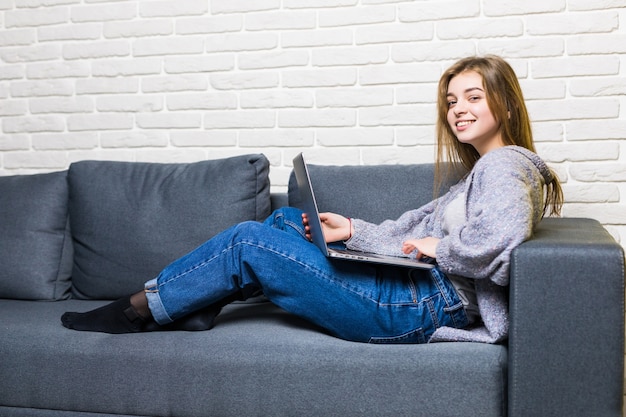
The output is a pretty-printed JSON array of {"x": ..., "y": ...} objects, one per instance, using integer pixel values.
[{"x": 348, "y": 81}]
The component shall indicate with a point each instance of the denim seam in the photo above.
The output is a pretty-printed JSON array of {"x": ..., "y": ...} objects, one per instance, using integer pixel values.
[
  {"x": 296, "y": 227},
  {"x": 412, "y": 288},
  {"x": 419, "y": 332},
  {"x": 159, "y": 313},
  {"x": 450, "y": 309},
  {"x": 433, "y": 313}
]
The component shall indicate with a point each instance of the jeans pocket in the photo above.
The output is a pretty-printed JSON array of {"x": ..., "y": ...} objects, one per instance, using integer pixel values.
[
  {"x": 413, "y": 337},
  {"x": 456, "y": 316}
]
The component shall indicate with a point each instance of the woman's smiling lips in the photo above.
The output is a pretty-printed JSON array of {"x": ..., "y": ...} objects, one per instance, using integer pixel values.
[{"x": 463, "y": 124}]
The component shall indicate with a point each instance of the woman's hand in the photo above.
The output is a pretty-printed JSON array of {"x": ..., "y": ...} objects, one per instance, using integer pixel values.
[
  {"x": 424, "y": 247},
  {"x": 334, "y": 226}
]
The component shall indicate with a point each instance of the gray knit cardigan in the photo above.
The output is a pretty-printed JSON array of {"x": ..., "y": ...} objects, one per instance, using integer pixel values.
[{"x": 504, "y": 200}]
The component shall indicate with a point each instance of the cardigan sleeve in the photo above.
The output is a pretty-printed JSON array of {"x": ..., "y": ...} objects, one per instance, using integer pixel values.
[
  {"x": 387, "y": 237},
  {"x": 501, "y": 210}
]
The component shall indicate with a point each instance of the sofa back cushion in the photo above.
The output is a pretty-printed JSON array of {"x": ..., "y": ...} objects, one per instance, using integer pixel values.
[
  {"x": 374, "y": 193},
  {"x": 130, "y": 220},
  {"x": 35, "y": 244}
]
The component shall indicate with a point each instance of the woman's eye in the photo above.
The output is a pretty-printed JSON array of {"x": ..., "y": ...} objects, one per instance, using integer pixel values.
[
  {"x": 451, "y": 103},
  {"x": 474, "y": 98}
]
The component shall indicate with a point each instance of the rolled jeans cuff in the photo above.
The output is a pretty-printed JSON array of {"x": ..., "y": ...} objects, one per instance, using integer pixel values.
[{"x": 154, "y": 303}]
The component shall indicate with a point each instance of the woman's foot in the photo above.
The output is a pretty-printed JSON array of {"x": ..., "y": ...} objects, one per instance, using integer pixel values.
[
  {"x": 122, "y": 316},
  {"x": 117, "y": 317}
]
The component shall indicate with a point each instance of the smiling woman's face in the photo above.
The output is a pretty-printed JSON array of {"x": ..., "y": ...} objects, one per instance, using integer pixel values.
[{"x": 469, "y": 115}]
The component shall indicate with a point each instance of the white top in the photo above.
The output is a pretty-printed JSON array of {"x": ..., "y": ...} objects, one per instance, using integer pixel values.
[{"x": 453, "y": 217}]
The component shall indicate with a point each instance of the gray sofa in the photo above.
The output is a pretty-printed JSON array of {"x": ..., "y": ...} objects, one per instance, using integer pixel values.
[{"x": 71, "y": 240}]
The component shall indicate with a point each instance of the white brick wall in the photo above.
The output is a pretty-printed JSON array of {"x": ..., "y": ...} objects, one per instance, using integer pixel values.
[{"x": 351, "y": 82}]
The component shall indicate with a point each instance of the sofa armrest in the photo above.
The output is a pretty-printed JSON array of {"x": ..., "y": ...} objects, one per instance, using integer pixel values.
[{"x": 566, "y": 343}]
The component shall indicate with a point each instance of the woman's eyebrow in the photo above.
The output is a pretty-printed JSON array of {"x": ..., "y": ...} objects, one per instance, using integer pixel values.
[{"x": 468, "y": 90}]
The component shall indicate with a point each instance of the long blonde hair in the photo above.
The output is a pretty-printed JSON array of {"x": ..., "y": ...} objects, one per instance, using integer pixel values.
[{"x": 506, "y": 103}]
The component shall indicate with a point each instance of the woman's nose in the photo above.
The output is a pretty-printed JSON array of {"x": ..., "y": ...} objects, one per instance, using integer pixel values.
[{"x": 460, "y": 108}]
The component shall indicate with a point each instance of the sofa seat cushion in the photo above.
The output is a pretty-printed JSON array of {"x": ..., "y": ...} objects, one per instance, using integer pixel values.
[
  {"x": 257, "y": 360},
  {"x": 35, "y": 248},
  {"x": 129, "y": 220}
]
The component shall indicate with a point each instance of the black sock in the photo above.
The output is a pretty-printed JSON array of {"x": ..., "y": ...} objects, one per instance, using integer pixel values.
[
  {"x": 116, "y": 317},
  {"x": 120, "y": 317}
]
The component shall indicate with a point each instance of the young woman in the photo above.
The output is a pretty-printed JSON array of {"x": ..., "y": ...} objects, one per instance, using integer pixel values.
[{"x": 470, "y": 231}]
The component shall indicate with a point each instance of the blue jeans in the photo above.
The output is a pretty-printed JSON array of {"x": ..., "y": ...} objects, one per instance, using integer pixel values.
[{"x": 354, "y": 301}]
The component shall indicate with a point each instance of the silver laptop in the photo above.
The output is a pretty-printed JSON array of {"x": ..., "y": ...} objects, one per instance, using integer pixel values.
[{"x": 317, "y": 236}]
